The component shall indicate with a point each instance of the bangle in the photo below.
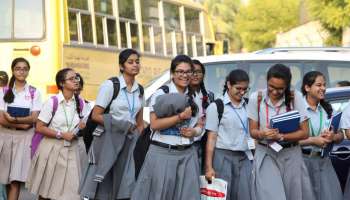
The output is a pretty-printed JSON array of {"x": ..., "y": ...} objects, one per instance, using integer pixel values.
[{"x": 58, "y": 135}]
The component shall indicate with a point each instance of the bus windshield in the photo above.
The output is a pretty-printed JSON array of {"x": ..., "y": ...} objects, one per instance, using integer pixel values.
[{"x": 22, "y": 19}]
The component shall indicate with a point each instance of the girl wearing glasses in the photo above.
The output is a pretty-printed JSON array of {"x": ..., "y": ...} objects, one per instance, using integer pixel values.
[
  {"x": 279, "y": 172},
  {"x": 202, "y": 97},
  {"x": 56, "y": 165},
  {"x": 171, "y": 168},
  {"x": 19, "y": 108},
  {"x": 229, "y": 144},
  {"x": 324, "y": 180}
]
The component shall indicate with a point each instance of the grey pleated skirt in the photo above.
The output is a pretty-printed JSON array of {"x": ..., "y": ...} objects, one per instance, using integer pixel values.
[
  {"x": 168, "y": 175},
  {"x": 14, "y": 154},
  {"x": 280, "y": 176},
  {"x": 324, "y": 180},
  {"x": 235, "y": 168}
]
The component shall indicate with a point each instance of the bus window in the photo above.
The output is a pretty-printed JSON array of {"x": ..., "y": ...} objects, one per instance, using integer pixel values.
[
  {"x": 99, "y": 29},
  {"x": 150, "y": 22},
  {"x": 73, "y": 27},
  {"x": 123, "y": 38},
  {"x": 339, "y": 71},
  {"x": 103, "y": 6},
  {"x": 27, "y": 21},
  {"x": 80, "y": 9},
  {"x": 104, "y": 15},
  {"x": 86, "y": 27},
  {"x": 111, "y": 32},
  {"x": 134, "y": 35},
  {"x": 6, "y": 19},
  {"x": 82, "y": 4},
  {"x": 126, "y": 9}
]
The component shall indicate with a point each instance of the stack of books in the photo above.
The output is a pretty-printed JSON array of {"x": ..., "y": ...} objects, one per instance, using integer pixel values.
[{"x": 287, "y": 122}]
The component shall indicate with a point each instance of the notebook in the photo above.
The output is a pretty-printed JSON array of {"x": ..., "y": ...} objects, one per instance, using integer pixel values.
[
  {"x": 287, "y": 122},
  {"x": 18, "y": 112}
]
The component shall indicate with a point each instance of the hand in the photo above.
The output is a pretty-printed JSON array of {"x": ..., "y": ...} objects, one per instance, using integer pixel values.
[
  {"x": 24, "y": 126},
  {"x": 271, "y": 134},
  {"x": 329, "y": 135},
  {"x": 82, "y": 125},
  {"x": 188, "y": 132},
  {"x": 9, "y": 118},
  {"x": 186, "y": 114},
  {"x": 201, "y": 121},
  {"x": 68, "y": 136},
  {"x": 320, "y": 141},
  {"x": 209, "y": 174}
]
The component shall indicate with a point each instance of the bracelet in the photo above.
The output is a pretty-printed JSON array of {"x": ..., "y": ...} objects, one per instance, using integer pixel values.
[{"x": 58, "y": 135}]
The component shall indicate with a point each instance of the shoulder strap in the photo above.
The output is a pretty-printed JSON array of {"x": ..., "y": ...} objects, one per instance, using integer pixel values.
[
  {"x": 220, "y": 108},
  {"x": 141, "y": 90},
  {"x": 259, "y": 102},
  {"x": 54, "y": 104},
  {"x": 81, "y": 103},
  {"x": 165, "y": 89},
  {"x": 32, "y": 91},
  {"x": 116, "y": 87},
  {"x": 5, "y": 89}
]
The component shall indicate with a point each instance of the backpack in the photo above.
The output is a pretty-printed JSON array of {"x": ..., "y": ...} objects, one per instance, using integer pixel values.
[
  {"x": 91, "y": 125},
  {"x": 143, "y": 142},
  {"x": 37, "y": 137}
]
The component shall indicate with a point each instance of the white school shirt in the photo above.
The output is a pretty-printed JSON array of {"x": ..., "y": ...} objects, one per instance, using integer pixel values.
[
  {"x": 171, "y": 139},
  {"x": 231, "y": 134},
  {"x": 345, "y": 118},
  {"x": 66, "y": 117},
  {"x": 122, "y": 105},
  {"x": 22, "y": 99},
  {"x": 279, "y": 108}
]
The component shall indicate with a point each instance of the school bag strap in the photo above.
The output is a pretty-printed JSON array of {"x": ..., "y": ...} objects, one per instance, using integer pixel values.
[
  {"x": 116, "y": 88},
  {"x": 165, "y": 89},
  {"x": 142, "y": 91},
  {"x": 32, "y": 90},
  {"x": 258, "y": 104},
  {"x": 220, "y": 108}
]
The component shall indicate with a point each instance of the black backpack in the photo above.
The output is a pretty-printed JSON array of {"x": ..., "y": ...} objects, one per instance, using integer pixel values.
[
  {"x": 91, "y": 125},
  {"x": 143, "y": 143}
]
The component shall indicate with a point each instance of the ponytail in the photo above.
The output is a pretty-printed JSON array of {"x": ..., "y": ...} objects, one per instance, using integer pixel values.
[
  {"x": 78, "y": 106},
  {"x": 9, "y": 97}
]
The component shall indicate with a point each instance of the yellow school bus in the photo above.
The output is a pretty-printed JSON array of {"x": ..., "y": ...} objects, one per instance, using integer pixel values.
[{"x": 88, "y": 34}]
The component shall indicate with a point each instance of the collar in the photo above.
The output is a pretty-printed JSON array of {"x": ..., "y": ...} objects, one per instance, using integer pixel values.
[
  {"x": 123, "y": 85},
  {"x": 267, "y": 100},
  {"x": 173, "y": 89},
  {"x": 60, "y": 98},
  {"x": 26, "y": 88},
  {"x": 226, "y": 100},
  {"x": 308, "y": 107}
]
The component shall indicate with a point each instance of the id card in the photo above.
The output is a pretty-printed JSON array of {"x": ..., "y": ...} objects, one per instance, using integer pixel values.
[
  {"x": 249, "y": 154},
  {"x": 276, "y": 147},
  {"x": 251, "y": 143}
]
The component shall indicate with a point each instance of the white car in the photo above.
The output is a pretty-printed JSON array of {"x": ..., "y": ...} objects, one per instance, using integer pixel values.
[{"x": 335, "y": 65}]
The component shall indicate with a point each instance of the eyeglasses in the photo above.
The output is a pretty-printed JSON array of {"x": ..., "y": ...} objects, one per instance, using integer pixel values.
[
  {"x": 197, "y": 72},
  {"x": 278, "y": 90},
  {"x": 18, "y": 69},
  {"x": 183, "y": 73},
  {"x": 242, "y": 89},
  {"x": 73, "y": 78}
]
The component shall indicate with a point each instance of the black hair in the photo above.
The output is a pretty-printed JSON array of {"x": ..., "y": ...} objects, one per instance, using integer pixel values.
[
  {"x": 60, "y": 79},
  {"x": 202, "y": 88},
  {"x": 308, "y": 80},
  {"x": 281, "y": 71},
  {"x": 235, "y": 76},
  {"x": 9, "y": 97},
  {"x": 81, "y": 82},
  {"x": 4, "y": 78},
  {"x": 343, "y": 83},
  {"x": 180, "y": 59},
  {"x": 124, "y": 55}
]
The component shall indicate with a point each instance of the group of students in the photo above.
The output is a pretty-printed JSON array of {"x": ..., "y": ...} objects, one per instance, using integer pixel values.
[{"x": 228, "y": 137}]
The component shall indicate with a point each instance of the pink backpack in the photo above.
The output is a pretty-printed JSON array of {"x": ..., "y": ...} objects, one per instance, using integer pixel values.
[{"x": 37, "y": 137}]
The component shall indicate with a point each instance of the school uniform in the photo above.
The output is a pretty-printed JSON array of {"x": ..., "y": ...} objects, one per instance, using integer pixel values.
[
  {"x": 57, "y": 164},
  {"x": 323, "y": 177},
  {"x": 124, "y": 107},
  {"x": 170, "y": 170},
  {"x": 15, "y": 144},
  {"x": 230, "y": 160},
  {"x": 278, "y": 175},
  {"x": 345, "y": 124}
]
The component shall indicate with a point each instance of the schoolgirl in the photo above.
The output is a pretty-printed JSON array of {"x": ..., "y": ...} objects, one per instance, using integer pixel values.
[
  {"x": 345, "y": 125},
  {"x": 3, "y": 83},
  {"x": 19, "y": 108},
  {"x": 202, "y": 97},
  {"x": 171, "y": 168},
  {"x": 56, "y": 166},
  {"x": 227, "y": 146},
  {"x": 324, "y": 180},
  {"x": 126, "y": 106},
  {"x": 279, "y": 172}
]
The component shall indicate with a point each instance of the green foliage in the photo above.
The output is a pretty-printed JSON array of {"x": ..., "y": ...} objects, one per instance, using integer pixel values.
[
  {"x": 223, "y": 13},
  {"x": 333, "y": 15},
  {"x": 258, "y": 22}
]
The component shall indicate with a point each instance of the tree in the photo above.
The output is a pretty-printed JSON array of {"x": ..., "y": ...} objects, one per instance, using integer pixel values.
[
  {"x": 259, "y": 21},
  {"x": 223, "y": 13},
  {"x": 333, "y": 15}
]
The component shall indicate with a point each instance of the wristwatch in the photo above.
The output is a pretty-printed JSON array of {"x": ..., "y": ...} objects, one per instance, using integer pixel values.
[{"x": 58, "y": 135}]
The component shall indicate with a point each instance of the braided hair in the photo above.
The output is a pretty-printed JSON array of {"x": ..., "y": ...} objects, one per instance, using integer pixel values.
[{"x": 205, "y": 102}]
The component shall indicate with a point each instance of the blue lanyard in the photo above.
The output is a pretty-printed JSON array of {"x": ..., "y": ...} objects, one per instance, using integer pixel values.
[
  {"x": 244, "y": 125},
  {"x": 130, "y": 108}
]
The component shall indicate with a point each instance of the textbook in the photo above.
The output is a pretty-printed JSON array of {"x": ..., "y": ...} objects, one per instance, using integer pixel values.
[
  {"x": 287, "y": 122},
  {"x": 334, "y": 126},
  {"x": 18, "y": 112}
]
